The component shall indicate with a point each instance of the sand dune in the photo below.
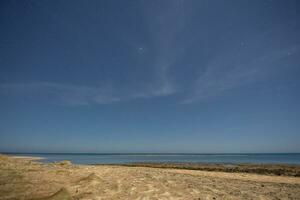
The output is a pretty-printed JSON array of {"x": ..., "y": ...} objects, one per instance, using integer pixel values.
[{"x": 24, "y": 179}]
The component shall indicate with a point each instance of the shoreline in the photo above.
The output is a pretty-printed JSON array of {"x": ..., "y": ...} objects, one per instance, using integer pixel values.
[
  {"x": 263, "y": 169},
  {"x": 22, "y": 178},
  {"x": 27, "y": 157},
  {"x": 279, "y": 169}
]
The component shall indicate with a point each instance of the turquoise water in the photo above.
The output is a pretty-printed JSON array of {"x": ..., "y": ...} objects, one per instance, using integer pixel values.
[{"x": 291, "y": 158}]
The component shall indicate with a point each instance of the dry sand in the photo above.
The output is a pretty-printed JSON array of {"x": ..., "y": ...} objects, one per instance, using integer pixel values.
[
  {"x": 28, "y": 157},
  {"x": 25, "y": 179}
]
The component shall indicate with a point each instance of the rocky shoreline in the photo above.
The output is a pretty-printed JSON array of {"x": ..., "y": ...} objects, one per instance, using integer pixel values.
[{"x": 265, "y": 169}]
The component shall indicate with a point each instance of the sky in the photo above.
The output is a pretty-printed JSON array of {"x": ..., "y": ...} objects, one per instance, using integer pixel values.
[{"x": 188, "y": 76}]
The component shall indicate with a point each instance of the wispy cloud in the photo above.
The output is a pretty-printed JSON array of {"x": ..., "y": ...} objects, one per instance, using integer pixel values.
[
  {"x": 222, "y": 75},
  {"x": 237, "y": 68},
  {"x": 231, "y": 66},
  {"x": 76, "y": 95},
  {"x": 164, "y": 25}
]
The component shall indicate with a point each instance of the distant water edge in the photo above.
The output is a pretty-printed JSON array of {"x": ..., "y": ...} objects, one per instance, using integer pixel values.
[{"x": 115, "y": 158}]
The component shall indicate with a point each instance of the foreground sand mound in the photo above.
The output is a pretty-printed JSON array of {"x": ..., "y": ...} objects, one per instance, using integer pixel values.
[
  {"x": 90, "y": 178},
  {"x": 62, "y": 194},
  {"x": 92, "y": 186}
]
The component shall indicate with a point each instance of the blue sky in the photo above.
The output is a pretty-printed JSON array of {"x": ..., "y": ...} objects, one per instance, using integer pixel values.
[{"x": 150, "y": 76}]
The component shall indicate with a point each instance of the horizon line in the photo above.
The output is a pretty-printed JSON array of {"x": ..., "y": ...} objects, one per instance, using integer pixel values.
[{"x": 142, "y": 153}]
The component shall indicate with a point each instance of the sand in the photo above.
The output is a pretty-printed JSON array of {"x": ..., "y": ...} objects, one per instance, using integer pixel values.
[
  {"x": 27, "y": 179},
  {"x": 28, "y": 157}
]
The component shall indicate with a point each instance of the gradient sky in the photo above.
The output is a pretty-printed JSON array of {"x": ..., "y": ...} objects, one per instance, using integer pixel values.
[{"x": 197, "y": 76}]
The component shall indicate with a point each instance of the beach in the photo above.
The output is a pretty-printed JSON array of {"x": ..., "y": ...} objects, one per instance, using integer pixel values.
[
  {"x": 29, "y": 179},
  {"x": 150, "y": 100}
]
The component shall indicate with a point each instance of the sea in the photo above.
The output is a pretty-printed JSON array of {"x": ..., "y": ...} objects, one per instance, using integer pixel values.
[{"x": 120, "y": 158}]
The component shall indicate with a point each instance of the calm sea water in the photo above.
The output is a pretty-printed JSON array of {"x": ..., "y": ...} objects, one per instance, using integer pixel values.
[{"x": 293, "y": 158}]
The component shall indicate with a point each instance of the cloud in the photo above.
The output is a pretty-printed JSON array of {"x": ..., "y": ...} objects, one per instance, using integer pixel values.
[
  {"x": 77, "y": 95},
  {"x": 238, "y": 67},
  {"x": 165, "y": 25},
  {"x": 232, "y": 65}
]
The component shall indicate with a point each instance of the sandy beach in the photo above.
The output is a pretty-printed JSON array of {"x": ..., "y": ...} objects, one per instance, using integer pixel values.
[
  {"x": 150, "y": 100},
  {"x": 28, "y": 179}
]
